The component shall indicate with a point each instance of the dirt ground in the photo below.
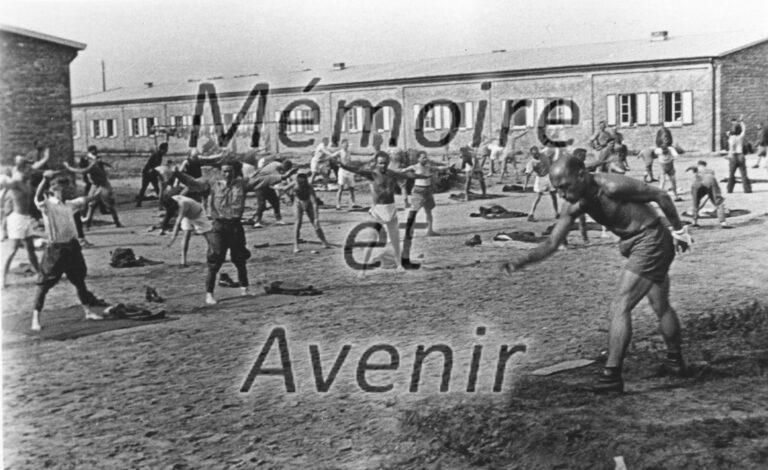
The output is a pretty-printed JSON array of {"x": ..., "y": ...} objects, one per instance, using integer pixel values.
[{"x": 168, "y": 394}]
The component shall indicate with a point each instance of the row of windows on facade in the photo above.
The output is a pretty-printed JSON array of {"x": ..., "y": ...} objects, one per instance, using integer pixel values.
[{"x": 636, "y": 109}]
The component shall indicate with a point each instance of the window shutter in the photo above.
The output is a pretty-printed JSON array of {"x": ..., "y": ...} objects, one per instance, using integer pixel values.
[
  {"x": 530, "y": 117},
  {"x": 130, "y": 127},
  {"x": 447, "y": 117},
  {"x": 687, "y": 107},
  {"x": 610, "y": 110},
  {"x": 361, "y": 115},
  {"x": 316, "y": 117},
  {"x": 540, "y": 103},
  {"x": 437, "y": 113},
  {"x": 387, "y": 116},
  {"x": 416, "y": 123},
  {"x": 653, "y": 106},
  {"x": 641, "y": 109},
  {"x": 469, "y": 115}
]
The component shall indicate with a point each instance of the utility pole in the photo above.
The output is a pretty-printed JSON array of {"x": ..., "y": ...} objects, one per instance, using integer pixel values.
[{"x": 103, "y": 77}]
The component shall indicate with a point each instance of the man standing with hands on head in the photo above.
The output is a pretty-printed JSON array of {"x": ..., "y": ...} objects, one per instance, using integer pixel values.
[
  {"x": 622, "y": 204},
  {"x": 227, "y": 203}
]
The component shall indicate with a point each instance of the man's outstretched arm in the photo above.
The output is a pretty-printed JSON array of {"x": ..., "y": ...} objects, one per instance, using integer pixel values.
[{"x": 549, "y": 246}]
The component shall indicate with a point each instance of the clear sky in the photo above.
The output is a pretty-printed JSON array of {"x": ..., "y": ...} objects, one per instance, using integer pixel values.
[{"x": 168, "y": 41}]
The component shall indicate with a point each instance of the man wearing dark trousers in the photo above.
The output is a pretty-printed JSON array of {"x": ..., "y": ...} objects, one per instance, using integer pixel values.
[
  {"x": 148, "y": 173},
  {"x": 227, "y": 204},
  {"x": 736, "y": 158}
]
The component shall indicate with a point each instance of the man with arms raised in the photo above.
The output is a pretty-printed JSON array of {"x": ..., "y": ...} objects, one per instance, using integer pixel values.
[{"x": 622, "y": 205}]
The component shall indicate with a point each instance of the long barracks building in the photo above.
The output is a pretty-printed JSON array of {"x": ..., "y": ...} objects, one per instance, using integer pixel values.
[{"x": 694, "y": 84}]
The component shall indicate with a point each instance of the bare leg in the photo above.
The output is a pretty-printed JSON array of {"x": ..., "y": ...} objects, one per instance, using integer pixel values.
[
  {"x": 352, "y": 194},
  {"x": 299, "y": 214},
  {"x": 553, "y": 195},
  {"x": 338, "y": 196},
  {"x": 430, "y": 231},
  {"x": 16, "y": 245},
  {"x": 669, "y": 324},
  {"x": 467, "y": 185},
  {"x": 393, "y": 230},
  {"x": 533, "y": 208},
  {"x": 632, "y": 288},
  {"x": 185, "y": 246}
]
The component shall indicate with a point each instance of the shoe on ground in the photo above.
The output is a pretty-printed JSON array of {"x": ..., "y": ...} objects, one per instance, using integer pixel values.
[
  {"x": 531, "y": 218},
  {"x": 210, "y": 300},
  {"x": 93, "y": 316},
  {"x": 726, "y": 225},
  {"x": 608, "y": 382},
  {"x": 281, "y": 222},
  {"x": 474, "y": 241},
  {"x": 257, "y": 225}
]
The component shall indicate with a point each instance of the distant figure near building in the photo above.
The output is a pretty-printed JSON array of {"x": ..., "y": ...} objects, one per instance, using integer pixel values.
[
  {"x": 148, "y": 174},
  {"x": 736, "y": 159}
]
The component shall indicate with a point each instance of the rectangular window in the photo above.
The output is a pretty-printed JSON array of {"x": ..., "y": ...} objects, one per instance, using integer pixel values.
[
  {"x": 111, "y": 128},
  {"x": 627, "y": 110},
  {"x": 95, "y": 128},
  {"x": 141, "y": 127},
  {"x": 378, "y": 120},
  {"x": 351, "y": 120},
  {"x": 672, "y": 108},
  {"x": 561, "y": 112},
  {"x": 429, "y": 120},
  {"x": 76, "y": 129}
]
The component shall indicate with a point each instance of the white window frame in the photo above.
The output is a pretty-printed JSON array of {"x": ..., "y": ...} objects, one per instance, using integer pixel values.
[
  {"x": 429, "y": 120},
  {"x": 112, "y": 134},
  {"x": 627, "y": 109},
  {"x": 676, "y": 110},
  {"x": 351, "y": 120},
  {"x": 562, "y": 112},
  {"x": 687, "y": 97},
  {"x": 76, "y": 129}
]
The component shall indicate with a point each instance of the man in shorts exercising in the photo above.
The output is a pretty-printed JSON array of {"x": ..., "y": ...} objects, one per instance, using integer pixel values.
[{"x": 623, "y": 205}]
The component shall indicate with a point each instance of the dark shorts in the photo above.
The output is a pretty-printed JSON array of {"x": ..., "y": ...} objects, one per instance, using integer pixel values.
[
  {"x": 104, "y": 196},
  {"x": 668, "y": 168},
  {"x": 227, "y": 234},
  {"x": 62, "y": 258},
  {"x": 698, "y": 191},
  {"x": 649, "y": 253},
  {"x": 422, "y": 197}
]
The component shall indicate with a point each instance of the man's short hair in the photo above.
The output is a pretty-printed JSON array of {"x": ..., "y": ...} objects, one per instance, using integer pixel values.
[
  {"x": 163, "y": 146},
  {"x": 702, "y": 163},
  {"x": 92, "y": 149},
  {"x": 580, "y": 153},
  {"x": 382, "y": 154},
  {"x": 287, "y": 165}
]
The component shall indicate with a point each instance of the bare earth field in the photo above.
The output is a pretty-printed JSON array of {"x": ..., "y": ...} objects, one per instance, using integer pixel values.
[{"x": 168, "y": 394}]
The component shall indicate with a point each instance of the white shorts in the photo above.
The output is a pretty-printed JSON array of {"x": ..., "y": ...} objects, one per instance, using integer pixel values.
[
  {"x": 542, "y": 184},
  {"x": 384, "y": 213},
  {"x": 19, "y": 227},
  {"x": 314, "y": 165},
  {"x": 346, "y": 178},
  {"x": 200, "y": 225}
]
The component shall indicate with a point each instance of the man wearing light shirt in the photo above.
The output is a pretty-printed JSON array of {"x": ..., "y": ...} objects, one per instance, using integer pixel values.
[{"x": 736, "y": 157}]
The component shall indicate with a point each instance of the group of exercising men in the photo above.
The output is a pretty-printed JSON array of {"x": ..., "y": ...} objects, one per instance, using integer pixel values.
[{"x": 213, "y": 207}]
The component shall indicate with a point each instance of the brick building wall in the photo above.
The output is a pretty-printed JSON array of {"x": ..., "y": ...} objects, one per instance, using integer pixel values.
[
  {"x": 709, "y": 94},
  {"x": 35, "y": 99},
  {"x": 744, "y": 88}
]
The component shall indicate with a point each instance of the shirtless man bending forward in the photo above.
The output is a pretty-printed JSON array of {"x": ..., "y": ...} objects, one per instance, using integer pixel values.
[{"x": 622, "y": 204}]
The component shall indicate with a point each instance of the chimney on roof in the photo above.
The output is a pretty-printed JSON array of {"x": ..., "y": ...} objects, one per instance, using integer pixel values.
[
  {"x": 659, "y": 36},
  {"x": 499, "y": 50},
  {"x": 339, "y": 66},
  {"x": 149, "y": 84}
]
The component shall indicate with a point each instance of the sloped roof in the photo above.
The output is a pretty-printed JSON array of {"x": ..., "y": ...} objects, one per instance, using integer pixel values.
[
  {"x": 529, "y": 61},
  {"x": 42, "y": 36}
]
